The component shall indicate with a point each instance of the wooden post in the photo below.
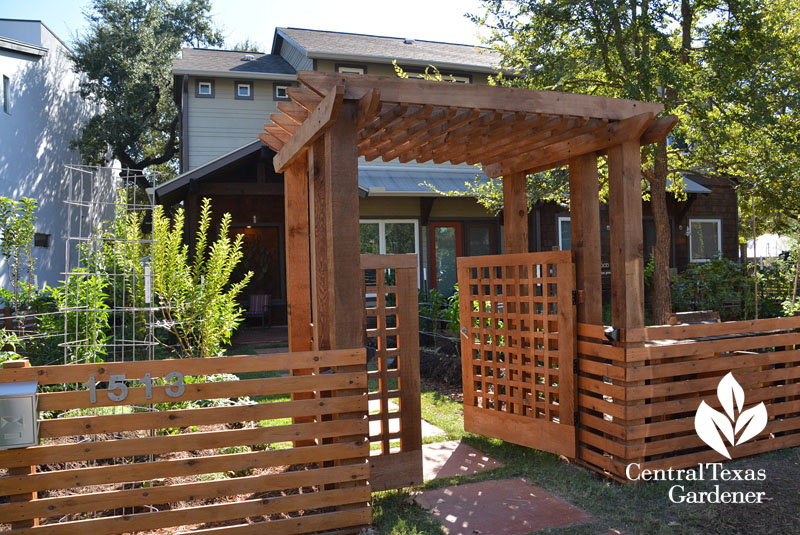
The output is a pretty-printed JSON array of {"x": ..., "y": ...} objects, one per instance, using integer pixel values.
[
  {"x": 339, "y": 292},
  {"x": 22, "y": 470},
  {"x": 627, "y": 268},
  {"x": 585, "y": 226},
  {"x": 625, "y": 211},
  {"x": 298, "y": 277},
  {"x": 515, "y": 213}
]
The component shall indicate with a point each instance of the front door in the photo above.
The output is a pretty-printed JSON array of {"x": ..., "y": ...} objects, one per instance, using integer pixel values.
[{"x": 517, "y": 348}]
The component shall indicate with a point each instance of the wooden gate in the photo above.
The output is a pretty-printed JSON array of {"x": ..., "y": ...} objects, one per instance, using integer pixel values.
[
  {"x": 393, "y": 342},
  {"x": 518, "y": 348},
  {"x": 123, "y": 451}
]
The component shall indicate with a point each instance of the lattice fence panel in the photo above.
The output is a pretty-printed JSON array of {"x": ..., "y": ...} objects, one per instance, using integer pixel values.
[
  {"x": 517, "y": 326},
  {"x": 393, "y": 353}
]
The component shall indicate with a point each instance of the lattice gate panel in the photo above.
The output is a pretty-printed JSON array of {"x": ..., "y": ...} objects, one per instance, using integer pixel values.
[
  {"x": 394, "y": 386},
  {"x": 518, "y": 348}
]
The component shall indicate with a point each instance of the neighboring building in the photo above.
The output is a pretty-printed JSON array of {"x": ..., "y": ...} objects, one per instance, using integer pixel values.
[
  {"x": 226, "y": 97},
  {"x": 41, "y": 113}
]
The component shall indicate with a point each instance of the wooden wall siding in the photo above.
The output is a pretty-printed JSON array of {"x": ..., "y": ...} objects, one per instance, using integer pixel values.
[
  {"x": 517, "y": 350},
  {"x": 637, "y": 402},
  {"x": 143, "y": 470},
  {"x": 393, "y": 333}
]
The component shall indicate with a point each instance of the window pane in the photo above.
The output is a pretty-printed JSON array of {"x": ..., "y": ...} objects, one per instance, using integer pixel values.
[
  {"x": 445, "y": 247},
  {"x": 400, "y": 238},
  {"x": 705, "y": 239},
  {"x": 369, "y": 238},
  {"x": 479, "y": 241},
  {"x": 565, "y": 228}
]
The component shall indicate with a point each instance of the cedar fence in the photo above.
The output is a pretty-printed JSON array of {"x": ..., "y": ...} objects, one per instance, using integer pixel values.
[
  {"x": 144, "y": 469},
  {"x": 394, "y": 387},
  {"x": 637, "y": 398}
]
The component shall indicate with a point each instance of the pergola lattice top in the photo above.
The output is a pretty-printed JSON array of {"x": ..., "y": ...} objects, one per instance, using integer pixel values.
[{"x": 507, "y": 130}]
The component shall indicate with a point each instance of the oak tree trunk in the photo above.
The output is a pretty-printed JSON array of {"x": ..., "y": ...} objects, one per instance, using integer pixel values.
[{"x": 661, "y": 298}]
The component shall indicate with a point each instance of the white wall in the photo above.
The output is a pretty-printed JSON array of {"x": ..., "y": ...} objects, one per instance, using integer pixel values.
[{"x": 46, "y": 112}]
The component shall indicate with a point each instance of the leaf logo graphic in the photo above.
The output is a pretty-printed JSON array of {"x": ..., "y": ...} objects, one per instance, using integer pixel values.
[{"x": 712, "y": 425}]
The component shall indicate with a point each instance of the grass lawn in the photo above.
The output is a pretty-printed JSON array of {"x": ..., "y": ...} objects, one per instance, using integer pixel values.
[{"x": 642, "y": 508}]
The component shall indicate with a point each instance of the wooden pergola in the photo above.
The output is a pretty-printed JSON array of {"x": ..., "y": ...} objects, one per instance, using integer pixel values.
[{"x": 511, "y": 132}]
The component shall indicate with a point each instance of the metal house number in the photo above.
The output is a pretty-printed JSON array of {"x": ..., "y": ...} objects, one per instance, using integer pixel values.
[{"x": 118, "y": 388}]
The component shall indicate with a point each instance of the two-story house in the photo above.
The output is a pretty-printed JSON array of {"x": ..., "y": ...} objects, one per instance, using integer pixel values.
[
  {"x": 41, "y": 112},
  {"x": 226, "y": 97}
]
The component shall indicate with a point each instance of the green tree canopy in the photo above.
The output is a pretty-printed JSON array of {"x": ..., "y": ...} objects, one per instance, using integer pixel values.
[
  {"x": 702, "y": 59},
  {"x": 126, "y": 56}
]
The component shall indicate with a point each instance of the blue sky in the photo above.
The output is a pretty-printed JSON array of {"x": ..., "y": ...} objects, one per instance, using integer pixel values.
[{"x": 435, "y": 20}]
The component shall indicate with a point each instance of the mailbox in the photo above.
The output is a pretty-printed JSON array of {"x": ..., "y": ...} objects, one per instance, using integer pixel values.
[{"x": 18, "y": 416}]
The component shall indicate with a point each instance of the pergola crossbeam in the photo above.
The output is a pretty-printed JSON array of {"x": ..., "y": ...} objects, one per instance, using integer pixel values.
[
  {"x": 613, "y": 134},
  {"x": 323, "y": 116}
]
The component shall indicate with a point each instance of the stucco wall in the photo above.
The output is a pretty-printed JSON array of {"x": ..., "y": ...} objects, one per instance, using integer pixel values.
[{"x": 45, "y": 114}]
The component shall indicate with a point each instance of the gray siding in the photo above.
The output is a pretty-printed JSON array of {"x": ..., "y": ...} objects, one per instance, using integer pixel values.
[
  {"x": 222, "y": 124},
  {"x": 296, "y": 59}
]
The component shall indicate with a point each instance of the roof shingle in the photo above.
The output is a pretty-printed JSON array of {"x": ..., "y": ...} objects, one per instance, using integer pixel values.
[
  {"x": 317, "y": 43},
  {"x": 205, "y": 59}
]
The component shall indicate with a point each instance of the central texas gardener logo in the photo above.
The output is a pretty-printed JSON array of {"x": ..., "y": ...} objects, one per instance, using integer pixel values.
[{"x": 712, "y": 425}]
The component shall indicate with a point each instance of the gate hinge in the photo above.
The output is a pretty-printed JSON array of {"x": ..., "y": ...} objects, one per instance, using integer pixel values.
[{"x": 577, "y": 297}]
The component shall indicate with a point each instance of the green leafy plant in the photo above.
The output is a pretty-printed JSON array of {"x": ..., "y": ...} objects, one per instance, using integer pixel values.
[
  {"x": 197, "y": 298},
  {"x": 8, "y": 346},
  {"x": 16, "y": 225}
]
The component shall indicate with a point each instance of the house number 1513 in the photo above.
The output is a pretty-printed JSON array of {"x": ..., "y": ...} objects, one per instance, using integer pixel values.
[{"x": 118, "y": 388}]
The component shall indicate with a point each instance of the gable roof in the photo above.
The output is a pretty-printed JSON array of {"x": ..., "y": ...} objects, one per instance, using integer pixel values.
[
  {"x": 231, "y": 63},
  {"x": 339, "y": 45}
]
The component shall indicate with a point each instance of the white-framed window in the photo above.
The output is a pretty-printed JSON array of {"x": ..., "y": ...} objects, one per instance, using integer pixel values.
[
  {"x": 204, "y": 89},
  {"x": 564, "y": 233},
  {"x": 6, "y": 94},
  {"x": 243, "y": 90},
  {"x": 280, "y": 92},
  {"x": 705, "y": 239},
  {"x": 350, "y": 69},
  {"x": 389, "y": 236}
]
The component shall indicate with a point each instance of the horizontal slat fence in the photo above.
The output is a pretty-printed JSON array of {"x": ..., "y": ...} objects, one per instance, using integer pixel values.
[
  {"x": 394, "y": 385},
  {"x": 107, "y": 465},
  {"x": 637, "y": 398}
]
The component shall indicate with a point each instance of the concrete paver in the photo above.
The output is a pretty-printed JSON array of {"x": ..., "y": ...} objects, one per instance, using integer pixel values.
[{"x": 505, "y": 507}]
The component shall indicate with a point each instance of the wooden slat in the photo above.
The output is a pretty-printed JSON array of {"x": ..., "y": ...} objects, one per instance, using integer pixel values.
[
  {"x": 406, "y": 140},
  {"x": 611, "y": 135},
  {"x": 305, "y": 524},
  {"x": 277, "y": 132},
  {"x": 436, "y": 137},
  {"x": 306, "y": 98},
  {"x": 388, "y": 261},
  {"x": 209, "y": 513},
  {"x": 62, "y": 453},
  {"x": 100, "y": 475},
  {"x": 271, "y": 141},
  {"x": 78, "y": 373},
  {"x": 479, "y": 96},
  {"x": 519, "y": 127},
  {"x": 51, "y": 401},
  {"x": 677, "y": 332},
  {"x": 187, "y": 417},
  {"x": 294, "y": 111},
  {"x": 98, "y": 501},
  {"x": 285, "y": 123},
  {"x": 550, "y": 257},
  {"x": 317, "y": 123}
]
